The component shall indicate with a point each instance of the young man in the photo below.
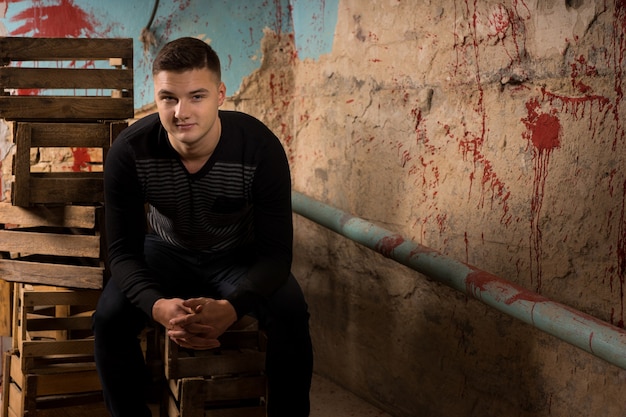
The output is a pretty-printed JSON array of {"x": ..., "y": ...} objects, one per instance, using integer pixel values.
[{"x": 199, "y": 230}]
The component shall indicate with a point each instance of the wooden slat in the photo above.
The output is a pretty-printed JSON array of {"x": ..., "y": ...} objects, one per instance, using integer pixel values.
[
  {"x": 59, "y": 364},
  {"x": 219, "y": 365},
  {"x": 34, "y": 348},
  {"x": 67, "y": 383},
  {"x": 6, "y": 300},
  {"x": 16, "y": 408},
  {"x": 88, "y": 135},
  {"x": 61, "y": 107},
  {"x": 50, "y": 49},
  {"x": 6, "y": 381},
  {"x": 172, "y": 407},
  {"x": 70, "y": 188},
  {"x": 59, "y": 323},
  {"x": 116, "y": 129},
  {"x": 38, "y": 297},
  {"x": 235, "y": 388},
  {"x": 16, "y": 369},
  {"x": 191, "y": 401},
  {"x": 66, "y": 78},
  {"x": 50, "y": 244},
  {"x": 40, "y": 273},
  {"x": 64, "y": 216},
  {"x": 20, "y": 191}
]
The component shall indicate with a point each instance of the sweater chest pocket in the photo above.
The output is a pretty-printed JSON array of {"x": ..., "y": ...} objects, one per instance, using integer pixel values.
[{"x": 228, "y": 211}]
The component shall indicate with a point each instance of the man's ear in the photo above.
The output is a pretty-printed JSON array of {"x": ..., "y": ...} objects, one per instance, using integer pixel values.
[{"x": 222, "y": 93}]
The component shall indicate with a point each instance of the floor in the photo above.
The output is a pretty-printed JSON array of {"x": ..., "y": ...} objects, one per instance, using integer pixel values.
[{"x": 330, "y": 400}]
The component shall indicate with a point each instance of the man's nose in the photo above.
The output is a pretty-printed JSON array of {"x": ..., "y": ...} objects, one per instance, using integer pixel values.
[{"x": 181, "y": 110}]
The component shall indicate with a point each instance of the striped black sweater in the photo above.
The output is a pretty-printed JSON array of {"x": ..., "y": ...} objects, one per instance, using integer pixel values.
[{"x": 238, "y": 203}]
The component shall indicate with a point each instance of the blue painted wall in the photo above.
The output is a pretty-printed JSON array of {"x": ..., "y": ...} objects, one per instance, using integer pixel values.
[{"x": 233, "y": 27}]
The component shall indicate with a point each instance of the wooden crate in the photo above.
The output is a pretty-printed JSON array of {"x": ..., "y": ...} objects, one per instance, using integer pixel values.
[
  {"x": 58, "y": 101},
  {"x": 84, "y": 187},
  {"x": 53, "y": 245},
  {"x": 87, "y": 84},
  {"x": 51, "y": 364},
  {"x": 228, "y": 381}
]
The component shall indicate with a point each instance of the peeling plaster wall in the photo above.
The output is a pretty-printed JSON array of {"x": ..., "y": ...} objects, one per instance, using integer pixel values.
[{"x": 492, "y": 131}]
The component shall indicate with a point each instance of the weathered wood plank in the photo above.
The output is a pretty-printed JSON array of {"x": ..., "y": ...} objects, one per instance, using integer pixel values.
[
  {"x": 235, "y": 388},
  {"x": 65, "y": 107},
  {"x": 67, "y": 383},
  {"x": 87, "y": 135},
  {"x": 6, "y": 381},
  {"x": 20, "y": 191},
  {"x": 50, "y": 244},
  {"x": 50, "y": 49},
  {"x": 66, "y": 78},
  {"x": 59, "y": 323},
  {"x": 70, "y": 188},
  {"x": 224, "y": 364},
  {"x": 34, "y": 348},
  {"x": 6, "y": 299},
  {"x": 40, "y": 273},
  {"x": 32, "y": 298},
  {"x": 63, "y": 216},
  {"x": 15, "y": 404}
]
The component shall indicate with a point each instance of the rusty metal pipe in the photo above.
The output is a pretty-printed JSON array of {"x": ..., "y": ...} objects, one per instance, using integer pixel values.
[{"x": 586, "y": 332}]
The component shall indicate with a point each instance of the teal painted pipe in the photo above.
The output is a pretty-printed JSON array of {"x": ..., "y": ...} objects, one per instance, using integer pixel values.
[{"x": 572, "y": 326}]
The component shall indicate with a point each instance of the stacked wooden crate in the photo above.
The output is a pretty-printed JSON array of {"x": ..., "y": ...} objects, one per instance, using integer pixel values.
[
  {"x": 228, "y": 381},
  {"x": 51, "y": 232}
]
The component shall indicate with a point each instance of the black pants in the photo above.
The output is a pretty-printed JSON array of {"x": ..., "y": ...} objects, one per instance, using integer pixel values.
[{"x": 117, "y": 324}]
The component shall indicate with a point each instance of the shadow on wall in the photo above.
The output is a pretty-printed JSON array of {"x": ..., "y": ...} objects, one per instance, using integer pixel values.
[{"x": 394, "y": 321}]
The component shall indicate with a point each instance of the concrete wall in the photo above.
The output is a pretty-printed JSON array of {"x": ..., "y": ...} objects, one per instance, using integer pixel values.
[{"x": 491, "y": 131}]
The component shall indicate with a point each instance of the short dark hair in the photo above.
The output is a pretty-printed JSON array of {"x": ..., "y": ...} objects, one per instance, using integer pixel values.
[{"x": 187, "y": 54}]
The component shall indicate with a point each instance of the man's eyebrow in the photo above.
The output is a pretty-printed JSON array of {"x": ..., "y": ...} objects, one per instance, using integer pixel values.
[
  {"x": 167, "y": 92},
  {"x": 199, "y": 90}
]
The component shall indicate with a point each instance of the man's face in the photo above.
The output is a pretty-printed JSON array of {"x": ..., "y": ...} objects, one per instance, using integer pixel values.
[{"x": 188, "y": 103}]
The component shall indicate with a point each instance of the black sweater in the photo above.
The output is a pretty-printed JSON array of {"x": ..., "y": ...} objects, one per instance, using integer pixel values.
[{"x": 239, "y": 202}]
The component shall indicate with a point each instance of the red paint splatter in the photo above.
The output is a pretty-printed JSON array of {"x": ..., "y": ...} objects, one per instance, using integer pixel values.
[
  {"x": 82, "y": 160},
  {"x": 272, "y": 87},
  {"x": 387, "y": 244},
  {"x": 580, "y": 67},
  {"x": 508, "y": 24},
  {"x": 63, "y": 20},
  {"x": 471, "y": 143},
  {"x": 543, "y": 131},
  {"x": 506, "y": 292}
]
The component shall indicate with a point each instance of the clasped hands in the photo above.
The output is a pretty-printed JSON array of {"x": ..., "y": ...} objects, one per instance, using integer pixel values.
[{"x": 195, "y": 323}]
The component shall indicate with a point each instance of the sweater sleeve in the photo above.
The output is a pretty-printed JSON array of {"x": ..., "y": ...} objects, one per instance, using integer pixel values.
[
  {"x": 126, "y": 228},
  {"x": 273, "y": 229}
]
